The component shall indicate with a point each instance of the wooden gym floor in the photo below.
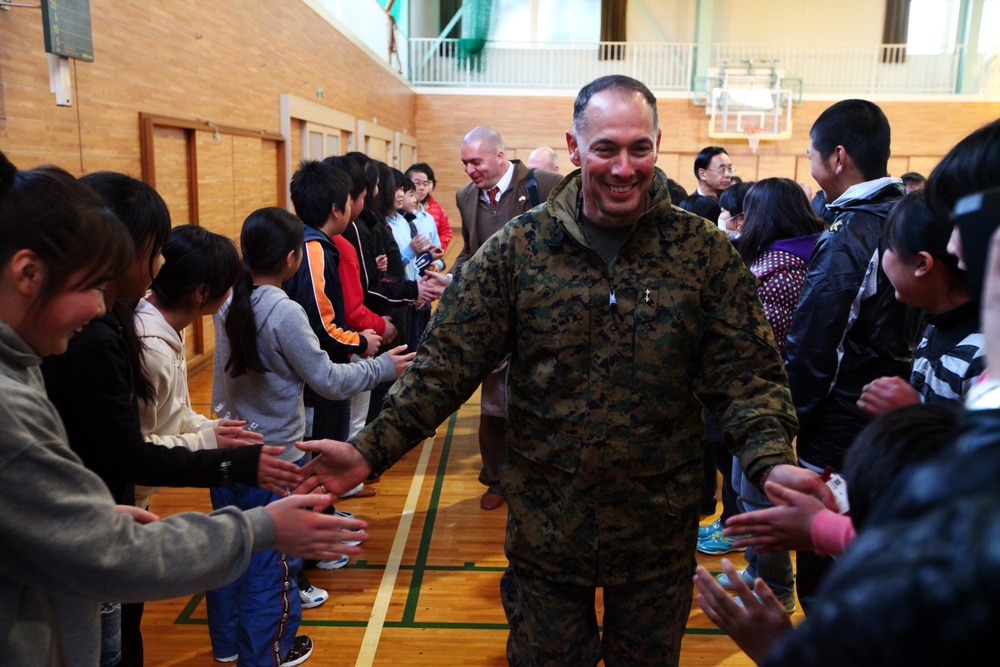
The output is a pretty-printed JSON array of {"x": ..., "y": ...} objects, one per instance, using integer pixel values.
[{"x": 426, "y": 589}]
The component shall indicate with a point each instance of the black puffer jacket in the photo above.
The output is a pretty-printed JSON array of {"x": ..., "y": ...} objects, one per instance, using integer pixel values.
[
  {"x": 920, "y": 585},
  {"x": 848, "y": 328}
]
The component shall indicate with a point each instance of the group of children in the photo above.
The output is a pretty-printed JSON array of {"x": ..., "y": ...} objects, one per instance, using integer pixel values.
[
  {"x": 75, "y": 255},
  {"x": 915, "y": 417},
  {"x": 96, "y": 288},
  {"x": 95, "y": 292}
]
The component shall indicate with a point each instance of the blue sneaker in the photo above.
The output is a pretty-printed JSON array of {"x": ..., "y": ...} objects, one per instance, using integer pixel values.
[
  {"x": 705, "y": 532},
  {"x": 715, "y": 544}
]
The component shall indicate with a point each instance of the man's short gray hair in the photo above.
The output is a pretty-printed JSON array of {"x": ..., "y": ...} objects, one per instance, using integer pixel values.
[{"x": 610, "y": 82}]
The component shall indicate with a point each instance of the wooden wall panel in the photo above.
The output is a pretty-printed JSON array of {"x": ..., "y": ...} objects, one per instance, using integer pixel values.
[
  {"x": 685, "y": 171},
  {"x": 802, "y": 174},
  {"x": 172, "y": 174},
  {"x": 899, "y": 165},
  {"x": 208, "y": 59},
  {"x": 771, "y": 165},
  {"x": 216, "y": 183},
  {"x": 922, "y": 165},
  {"x": 248, "y": 175},
  {"x": 271, "y": 154},
  {"x": 668, "y": 162}
]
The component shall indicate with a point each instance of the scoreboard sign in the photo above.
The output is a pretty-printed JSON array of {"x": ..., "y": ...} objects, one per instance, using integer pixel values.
[{"x": 66, "y": 24}]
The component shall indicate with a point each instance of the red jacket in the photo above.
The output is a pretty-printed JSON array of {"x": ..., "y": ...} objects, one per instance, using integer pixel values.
[
  {"x": 357, "y": 316},
  {"x": 441, "y": 220}
]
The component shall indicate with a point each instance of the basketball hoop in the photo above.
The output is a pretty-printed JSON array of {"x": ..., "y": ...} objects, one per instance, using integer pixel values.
[{"x": 753, "y": 137}]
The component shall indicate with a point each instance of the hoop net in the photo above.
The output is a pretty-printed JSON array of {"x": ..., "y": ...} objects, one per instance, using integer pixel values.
[{"x": 753, "y": 137}]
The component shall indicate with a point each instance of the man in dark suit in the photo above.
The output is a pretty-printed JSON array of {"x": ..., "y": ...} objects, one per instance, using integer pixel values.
[{"x": 495, "y": 194}]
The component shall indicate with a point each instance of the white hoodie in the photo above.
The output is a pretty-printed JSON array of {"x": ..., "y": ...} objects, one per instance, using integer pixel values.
[{"x": 169, "y": 420}]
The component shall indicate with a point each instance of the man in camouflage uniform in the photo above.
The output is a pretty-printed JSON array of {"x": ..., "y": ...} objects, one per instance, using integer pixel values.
[{"x": 622, "y": 315}]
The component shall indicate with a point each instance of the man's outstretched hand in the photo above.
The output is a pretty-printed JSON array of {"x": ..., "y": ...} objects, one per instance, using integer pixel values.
[{"x": 337, "y": 468}]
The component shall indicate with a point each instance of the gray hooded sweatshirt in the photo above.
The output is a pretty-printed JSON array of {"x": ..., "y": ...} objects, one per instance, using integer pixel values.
[
  {"x": 66, "y": 548},
  {"x": 271, "y": 403}
]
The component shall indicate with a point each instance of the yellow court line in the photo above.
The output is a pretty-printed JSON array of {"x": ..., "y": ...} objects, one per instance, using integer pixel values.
[{"x": 366, "y": 656}]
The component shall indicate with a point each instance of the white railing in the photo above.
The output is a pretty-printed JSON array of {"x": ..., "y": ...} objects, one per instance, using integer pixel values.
[
  {"x": 989, "y": 77},
  {"x": 435, "y": 62},
  {"x": 669, "y": 67},
  {"x": 846, "y": 69},
  {"x": 368, "y": 21}
]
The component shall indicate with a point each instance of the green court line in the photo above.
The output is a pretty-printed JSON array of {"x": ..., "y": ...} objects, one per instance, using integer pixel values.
[
  {"x": 418, "y": 568},
  {"x": 467, "y": 567},
  {"x": 426, "y": 625},
  {"x": 420, "y": 564}
]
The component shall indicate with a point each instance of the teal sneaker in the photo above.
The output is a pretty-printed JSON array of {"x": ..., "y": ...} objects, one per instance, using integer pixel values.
[
  {"x": 715, "y": 544},
  {"x": 705, "y": 532},
  {"x": 723, "y": 580}
]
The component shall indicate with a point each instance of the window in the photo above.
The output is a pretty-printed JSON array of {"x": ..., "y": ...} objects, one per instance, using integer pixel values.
[
  {"x": 933, "y": 27},
  {"x": 564, "y": 21},
  {"x": 989, "y": 27}
]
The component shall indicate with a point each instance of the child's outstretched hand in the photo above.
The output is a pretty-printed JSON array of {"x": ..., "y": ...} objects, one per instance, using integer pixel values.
[
  {"x": 277, "y": 475},
  {"x": 784, "y": 527},
  {"x": 390, "y": 330},
  {"x": 230, "y": 433},
  {"x": 419, "y": 243},
  {"x": 400, "y": 359},
  {"x": 301, "y": 531},
  {"x": 886, "y": 394},
  {"x": 374, "y": 341},
  {"x": 755, "y": 625}
]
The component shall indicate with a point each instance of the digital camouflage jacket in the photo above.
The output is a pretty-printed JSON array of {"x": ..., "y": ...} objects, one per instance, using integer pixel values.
[{"x": 604, "y": 426}]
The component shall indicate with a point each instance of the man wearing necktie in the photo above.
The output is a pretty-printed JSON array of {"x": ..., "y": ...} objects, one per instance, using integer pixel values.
[{"x": 495, "y": 194}]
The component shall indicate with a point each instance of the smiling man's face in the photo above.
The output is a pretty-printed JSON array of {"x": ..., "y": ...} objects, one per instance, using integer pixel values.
[{"x": 615, "y": 147}]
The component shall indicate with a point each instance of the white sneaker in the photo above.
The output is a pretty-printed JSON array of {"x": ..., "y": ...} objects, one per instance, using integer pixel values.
[
  {"x": 231, "y": 658},
  {"x": 350, "y": 543},
  {"x": 723, "y": 580},
  {"x": 313, "y": 597},
  {"x": 332, "y": 564}
]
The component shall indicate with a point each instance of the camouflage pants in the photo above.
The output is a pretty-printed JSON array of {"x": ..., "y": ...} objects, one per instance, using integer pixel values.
[{"x": 556, "y": 624}]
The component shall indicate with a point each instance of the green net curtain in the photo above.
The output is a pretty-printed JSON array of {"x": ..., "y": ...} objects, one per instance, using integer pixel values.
[{"x": 475, "y": 33}]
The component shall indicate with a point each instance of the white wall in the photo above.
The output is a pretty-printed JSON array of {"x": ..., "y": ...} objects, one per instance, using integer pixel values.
[
  {"x": 843, "y": 22},
  {"x": 660, "y": 20},
  {"x": 795, "y": 22}
]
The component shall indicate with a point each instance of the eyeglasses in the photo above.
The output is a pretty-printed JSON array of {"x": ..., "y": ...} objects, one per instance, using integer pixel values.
[{"x": 725, "y": 171}]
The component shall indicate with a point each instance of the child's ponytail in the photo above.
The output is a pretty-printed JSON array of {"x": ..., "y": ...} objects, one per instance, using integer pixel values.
[
  {"x": 241, "y": 328},
  {"x": 268, "y": 235}
]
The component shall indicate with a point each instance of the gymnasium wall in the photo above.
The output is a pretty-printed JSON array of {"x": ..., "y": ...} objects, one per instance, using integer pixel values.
[
  {"x": 210, "y": 74},
  {"x": 848, "y": 22},
  {"x": 922, "y": 132},
  {"x": 217, "y": 64},
  {"x": 224, "y": 63}
]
